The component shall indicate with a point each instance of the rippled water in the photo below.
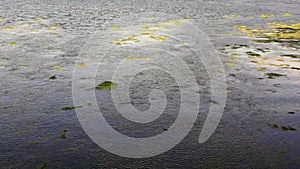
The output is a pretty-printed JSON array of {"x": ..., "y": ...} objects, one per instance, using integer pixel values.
[{"x": 43, "y": 39}]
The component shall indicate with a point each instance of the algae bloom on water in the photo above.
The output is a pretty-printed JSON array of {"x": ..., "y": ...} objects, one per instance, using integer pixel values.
[{"x": 107, "y": 85}]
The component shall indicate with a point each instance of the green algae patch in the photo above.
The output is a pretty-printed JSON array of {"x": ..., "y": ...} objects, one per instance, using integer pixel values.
[
  {"x": 64, "y": 134},
  {"x": 107, "y": 85},
  {"x": 274, "y": 75},
  {"x": 262, "y": 69}
]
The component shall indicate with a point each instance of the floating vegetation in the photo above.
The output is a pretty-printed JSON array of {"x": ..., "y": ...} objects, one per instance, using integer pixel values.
[
  {"x": 12, "y": 44},
  {"x": 262, "y": 69},
  {"x": 33, "y": 143},
  {"x": 274, "y": 126},
  {"x": 288, "y": 34},
  {"x": 286, "y": 15},
  {"x": 70, "y": 150},
  {"x": 274, "y": 75},
  {"x": 107, "y": 85},
  {"x": 280, "y": 59},
  {"x": 232, "y": 65},
  {"x": 265, "y": 15},
  {"x": 117, "y": 27},
  {"x": 42, "y": 166},
  {"x": 8, "y": 28},
  {"x": 159, "y": 38},
  {"x": 129, "y": 40},
  {"x": 54, "y": 27},
  {"x": 81, "y": 65},
  {"x": 137, "y": 59},
  {"x": 177, "y": 22},
  {"x": 291, "y": 112},
  {"x": 253, "y": 54},
  {"x": 64, "y": 134},
  {"x": 291, "y": 55},
  {"x": 234, "y": 56},
  {"x": 154, "y": 28},
  {"x": 236, "y": 46},
  {"x": 59, "y": 68},
  {"x": 262, "y": 50},
  {"x": 4, "y": 58},
  {"x": 53, "y": 77}
]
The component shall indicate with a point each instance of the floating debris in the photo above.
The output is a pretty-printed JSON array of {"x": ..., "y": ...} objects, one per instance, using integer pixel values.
[
  {"x": 53, "y": 77},
  {"x": 107, "y": 85},
  {"x": 291, "y": 112},
  {"x": 287, "y": 128},
  {"x": 70, "y": 108}
]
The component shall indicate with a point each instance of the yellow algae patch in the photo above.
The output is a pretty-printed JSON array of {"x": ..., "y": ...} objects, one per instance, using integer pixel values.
[
  {"x": 265, "y": 15},
  {"x": 286, "y": 14},
  {"x": 176, "y": 22},
  {"x": 280, "y": 60},
  {"x": 26, "y": 25},
  {"x": 155, "y": 27},
  {"x": 130, "y": 40},
  {"x": 40, "y": 20},
  {"x": 262, "y": 69},
  {"x": 117, "y": 28},
  {"x": 54, "y": 27},
  {"x": 137, "y": 59},
  {"x": 159, "y": 38},
  {"x": 230, "y": 65},
  {"x": 285, "y": 26},
  {"x": 1, "y": 19},
  {"x": 9, "y": 28},
  {"x": 148, "y": 33},
  {"x": 35, "y": 30},
  {"x": 12, "y": 44},
  {"x": 59, "y": 68},
  {"x": 235, "y": 56},
  {"x": 276, "y": 31},
  {"x": 81, "y": 65}
]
